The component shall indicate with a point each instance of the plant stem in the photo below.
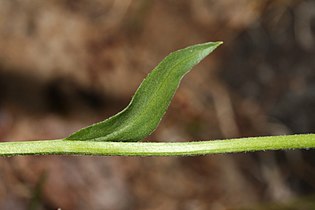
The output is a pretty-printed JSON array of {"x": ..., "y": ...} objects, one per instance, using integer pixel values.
[{"x": 70, "y": 147}]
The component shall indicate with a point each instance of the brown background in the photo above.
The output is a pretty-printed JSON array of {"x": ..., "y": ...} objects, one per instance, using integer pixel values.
[{"x": 66, "y": 64}]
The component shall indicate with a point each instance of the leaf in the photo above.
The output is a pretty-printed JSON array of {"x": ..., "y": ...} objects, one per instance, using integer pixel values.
[{"x": 147, "y": 107}]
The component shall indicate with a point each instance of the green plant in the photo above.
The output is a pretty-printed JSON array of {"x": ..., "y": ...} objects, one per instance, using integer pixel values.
[{"x": 116, "y": 135}]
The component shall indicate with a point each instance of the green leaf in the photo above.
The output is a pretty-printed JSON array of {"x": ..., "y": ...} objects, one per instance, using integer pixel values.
[{"x": 147, "y": 107}]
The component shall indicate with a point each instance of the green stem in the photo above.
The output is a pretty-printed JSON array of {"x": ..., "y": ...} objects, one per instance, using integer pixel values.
[{"x": 67, "y": 147}]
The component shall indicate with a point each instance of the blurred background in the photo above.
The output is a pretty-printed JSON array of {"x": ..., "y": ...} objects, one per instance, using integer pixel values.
[{"x": 65, "y": 64}]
